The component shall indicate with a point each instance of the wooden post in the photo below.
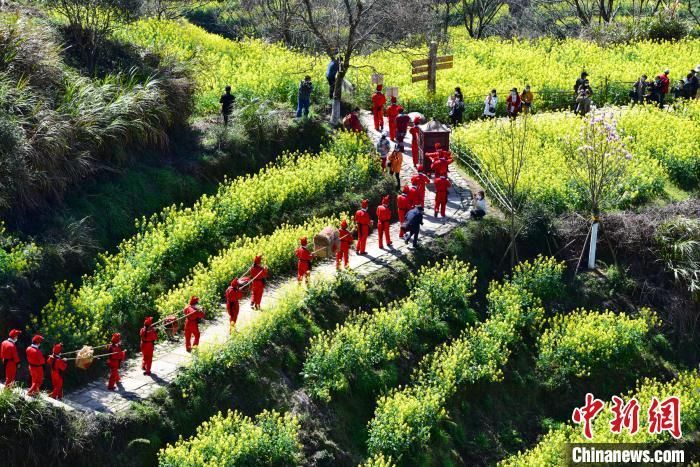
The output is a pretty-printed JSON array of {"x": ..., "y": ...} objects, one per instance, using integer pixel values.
[{"x": 432, "y": 67}]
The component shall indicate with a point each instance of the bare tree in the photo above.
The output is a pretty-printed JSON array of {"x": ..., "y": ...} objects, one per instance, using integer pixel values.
[
  {"x": 170, "y": 9},
  {"x": 587, "y": 11},
  {"x": 276, "y": 20},
  {"x": 693, "y": 8},
  {"x": 478, "y": 14}
]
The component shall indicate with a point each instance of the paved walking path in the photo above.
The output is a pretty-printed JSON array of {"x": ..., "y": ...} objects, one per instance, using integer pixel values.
[{"x": 170, "y": 356}]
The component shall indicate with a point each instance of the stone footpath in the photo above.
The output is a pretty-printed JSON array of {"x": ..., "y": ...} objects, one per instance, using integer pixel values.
[{"x": 169, "y": 356}]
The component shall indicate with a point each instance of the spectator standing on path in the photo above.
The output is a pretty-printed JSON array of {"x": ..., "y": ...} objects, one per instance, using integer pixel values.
[
  {"x": 639, "y": 90},
  {"x": 526, "y": 99},
  {"x": 402, "y": 122},
  {"x": 479, "y": 210},
  {"x": 395, "y": 162},
  {"x": 414, "y": 219},
  {"x": 226, "y": 100},
  {"x": 383, "y": 148},
  {"x": 513, "y": 103},
  {"x": 490, "y": 104},
  {"x": 457, "y": 111},
  {"x": 331, "y": 73},
  {"x": 304, "y": 96},
  {"x": 664, "y": 86}
]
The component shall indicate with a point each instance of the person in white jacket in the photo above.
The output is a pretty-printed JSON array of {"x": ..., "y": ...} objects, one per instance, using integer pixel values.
[{"x": 490, "y": 104}]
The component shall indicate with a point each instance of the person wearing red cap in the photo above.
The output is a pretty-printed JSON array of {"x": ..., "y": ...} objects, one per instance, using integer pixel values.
[
  {"x": 402, "y": 206},
  {"x": 363, "y": 222},
  {"x": 384, "y": 221},
  {"x": 258, "y": 275},
  {"x": 304, "y": 258},
  {"x": 378, "y": 103},
  {"x": 36, "y": 362},
  {"x": 114, "y": 360},
  {"x": 346, "y": 241},
  {"x": 391, "y": 113},
  {"x": 58, "y": 365},
  {"x": 442, "y": 186},
  {"x": 233, "y": 295},
  {"x": 414, "y": 140},
  {"x": 10, "y": 358},
  {"x": 149, "y": 336},
  {"x": 193, "y": 314},
  {"x": 420, "y": 180}
]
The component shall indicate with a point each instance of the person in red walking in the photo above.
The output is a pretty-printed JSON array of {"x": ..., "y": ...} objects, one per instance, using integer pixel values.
[
  {"x": 420, "y": 180},
  {"x": 149, "y": 336},
  {"x": 10, "y": 357},
  {"x": 346, "y": 241},
  {"x": 402, "y": 122},
  {"x": 664, "y": 84},
  {"x": 58, "y": 365},
  {"x": 193, "y": 314},
  {"x": 414, "y": 140},
  {"x": 36, "y": 361},
  {"x": 363, "y": 222},
  {"x": 391, "y": 113},
  {"x": 442, "y": 185},
  {"x": 233, "y": 295},
  {"x": 304, "y": 259},
  {"x": 258, "y": 274},
  {"x": 403, "y": 205},
  {"x": 513, "y": 103},
  {"x": 114, "y": 360},
  {"x": 413, "y": 196},
  {"x": 378, "y": 103},
  {"x": 384, "y": 222}
]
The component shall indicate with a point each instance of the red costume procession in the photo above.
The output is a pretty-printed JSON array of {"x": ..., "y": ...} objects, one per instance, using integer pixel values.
[
  {"x": 10, "y": 357},
  {"x": 420, "y": 180},
  {"x": 258, "y": 274},
  {"x": 233, "y": 295},
  {"x": 149, "y": 336},
  {"x": 58, "y": 365},
  {"x": 391, "y": 113},
  {"x": 114, "y": 360},
  {"x": 304, "y": 258},
  {"x": 384, "y": 222},
  {"x": 403, "y": 205},
  {"x": 378, "y": 103},
  {"x": 192, "y": 316},
  {"x": 36, "y": 362},
  {"x": 346, "y": 241},
  {"x": 414, "y": 140},
  {"x": 363, "y": 221},
  {"x": 442, "y": 185}
]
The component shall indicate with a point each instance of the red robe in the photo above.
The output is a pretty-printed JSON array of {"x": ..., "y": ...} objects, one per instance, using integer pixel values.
[
  {"x": 352, "y": 123},
  {"x": 36, "y": 362},
  {"x": 304, "y": 258},
  {"x": 192, "y": 317},
  {"x": 403, "y": 206},
  {"x": 232, "y": 305},
  {"x": 420, "y": 180},
  {"x": 383, "y": 224},
  {"x": 391, "y": 113},
  {"x": 441, "y": 187},
  {"x": 413, "y": 196},
  {"x": 114, "y": 362},
  {"x": 363, "y": 222},
  {"x": 258, "y": 275},
  {"x": 346, "y": 240},
  {"x": 10, "y": 358},
  {"x": 58, "y": 366},
  {"x": 378, "y": 102},
  {"x": 148, "y": 335},
  {"x": 414, "y": 144}
]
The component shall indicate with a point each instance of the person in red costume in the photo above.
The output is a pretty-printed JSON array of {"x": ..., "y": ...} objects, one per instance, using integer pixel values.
[
  {"x": 36, "y": 362},
  {"x": 351, "y": 122},
  {"x": 391, "y": 113},
  {"x": 403, "y": 205},
  {"x": 413, "y": 196},
  {"x": 420, "y": 180},
  {"x": 346, "y": 241},
  {"x": 114, "y": 361},
  {"x": 442, "y": 185},
  {"x": 149, "y": 336},
  {"x": 414, "y": 140},
  {"x": 58, "y": 365},
  {"x": 193, "y": 314},
  {"x": 304, "y": 258},
  {"x": 258, "y": 274},
  {"x": 378, "y": 103},
  {"x": 233, "y": 295},
  {"x": 441, "y": 161},
  {"x": 384, "y": 222},
  {"x": 363, "y": 221},
  {"x": 10, "y": 357},
  {"x": 402, "y": 122}
]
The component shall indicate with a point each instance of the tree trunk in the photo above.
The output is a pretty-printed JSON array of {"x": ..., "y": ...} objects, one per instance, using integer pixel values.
[
  {"x": 338, "y": 94},
  {"x": 512, "y": 240},
  {"x": 593, "y": 244}
]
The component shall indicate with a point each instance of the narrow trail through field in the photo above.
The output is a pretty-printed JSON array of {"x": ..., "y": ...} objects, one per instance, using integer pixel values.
[{"x": 170, "y": 356}]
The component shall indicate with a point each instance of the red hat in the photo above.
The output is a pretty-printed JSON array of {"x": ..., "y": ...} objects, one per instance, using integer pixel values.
[
  {"x": 37, "y": 339},
  {"x": 235, "y": 283},
  {"x": 57, "y": 349},
  {"x": 365, "y": 203},
  {"x": 393, "y": 99},
  {"x": 419, "y": 167},
  {"x": 344, "y": 224},
  {"x": 380, "y": 87},
  {"x": 148, "y": 321},
  {"x": 257, "y": 259},
  {"x": 416, "y": 120},
  {"x": 14, "y": 333},
  {"x": 406, "y": 189},
  {"x": 385, "y": 200},
  {"x": 438, "y": 145},
  {"x": 194, "y": 300},
  {"x": 304, "y": 241},
  {"x": 116, "y": 338}
]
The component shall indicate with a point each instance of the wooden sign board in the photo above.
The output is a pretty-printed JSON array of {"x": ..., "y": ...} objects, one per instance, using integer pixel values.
[
  {"x": 422, "y": 62},
  {"x": 415, "y": 79},
  {"x": 445, "y": 58},
  {"x": 420, "y": 69},
  {"x": 377, "y": 78},
  {"x": 444, "y": 66},
  {"x": 392, "y": 91}
]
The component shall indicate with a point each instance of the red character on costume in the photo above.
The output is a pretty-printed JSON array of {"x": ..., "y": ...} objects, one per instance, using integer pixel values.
[
  {"x": 10, "y": 358},
  {"x": 115, "y": 359},
  {"x": 304, "y": 258},
  {"x": 58, "y": 365},
  {"x": 403, "y": 205},
  {"x": 420, "y": 180},
  {"x": 36, "y": 362},
  {"x": 384, "y": 222},
  {"x": 346, "y": 241},
  {"x": 258, "y": 274},
  {"x": 442, "y": 185},
  {"x": 414, "y": 140},
  {"x": 363, "y": 221},
  {"x": 391, "y": 113},
  {"x": 233, "y": 295},
  {"x": 193, "y": 314},
  {"x": 378, "y": 103},
  {"x": 149, "y": 336}
]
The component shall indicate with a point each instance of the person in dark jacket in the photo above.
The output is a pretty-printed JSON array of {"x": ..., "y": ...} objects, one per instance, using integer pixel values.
[
  {"x": 694, "y": 83},
  {"x": 331, "y": 73},
  {"x": 639, "y": 90},
  {"x": 304, "y": 96},
  {"x": 414, "y": 219},
  {"x": 227, "y": 99},
  {"x": 457, "y": 110}
]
